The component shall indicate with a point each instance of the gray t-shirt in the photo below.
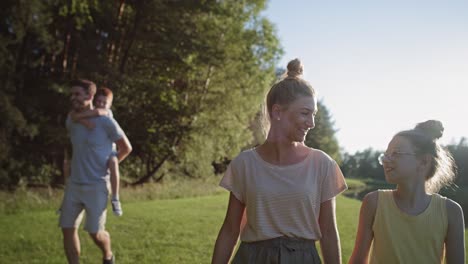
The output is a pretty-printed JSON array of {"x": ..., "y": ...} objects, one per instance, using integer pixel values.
[
  {"x": 92, "y": 149},
  {"x": 283, "y": 200}
]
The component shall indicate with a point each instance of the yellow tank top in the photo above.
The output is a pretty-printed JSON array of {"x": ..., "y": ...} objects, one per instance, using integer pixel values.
[{"x": 403, "y": 238}]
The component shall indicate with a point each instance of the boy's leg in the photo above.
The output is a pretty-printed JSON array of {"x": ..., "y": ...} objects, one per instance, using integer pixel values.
[{"x": 115, "y": 185}]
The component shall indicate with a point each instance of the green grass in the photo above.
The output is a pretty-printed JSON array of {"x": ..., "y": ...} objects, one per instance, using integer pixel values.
[
  {"x": 40, "y": 199},
  {"x": 161, "y": 231},
  {"x": 157, "y": 231}
]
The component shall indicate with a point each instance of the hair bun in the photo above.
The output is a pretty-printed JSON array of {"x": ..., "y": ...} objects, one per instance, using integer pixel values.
[
  {"x": 295, "y": 68},
  {"x": 432, "y": 128}
]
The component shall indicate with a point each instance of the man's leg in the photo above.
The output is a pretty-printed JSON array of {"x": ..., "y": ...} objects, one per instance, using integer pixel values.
[
  {"x": 71, "y": 244},
  {"x": 103, "y": 241},
  {"x": 70, "y": 217},
  {"x": 96, "y": 209}
]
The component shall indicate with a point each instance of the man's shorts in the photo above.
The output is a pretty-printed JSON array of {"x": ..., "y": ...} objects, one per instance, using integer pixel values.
[{"x": 91, "y": 199}]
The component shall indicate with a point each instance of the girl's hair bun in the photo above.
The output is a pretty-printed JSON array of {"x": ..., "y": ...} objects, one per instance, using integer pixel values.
[{"x": 432, "y": 128}]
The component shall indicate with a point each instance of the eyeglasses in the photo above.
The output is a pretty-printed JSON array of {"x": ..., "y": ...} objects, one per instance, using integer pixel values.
[{"x": 392, "y": 156}]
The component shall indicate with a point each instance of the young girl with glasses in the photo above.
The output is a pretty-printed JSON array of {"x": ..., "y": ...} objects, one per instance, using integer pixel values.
[{"x": 412, "y": 224}]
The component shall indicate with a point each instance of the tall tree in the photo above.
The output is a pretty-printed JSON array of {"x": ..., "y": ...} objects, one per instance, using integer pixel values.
[
  {"x": 363, "y": 164},
  {"x": 323, "y": 135},
  {"x": 185, "y": 78}
]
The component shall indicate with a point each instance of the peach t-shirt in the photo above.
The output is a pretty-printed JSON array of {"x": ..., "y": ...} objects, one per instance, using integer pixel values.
[{"x": 283, "y": 200}]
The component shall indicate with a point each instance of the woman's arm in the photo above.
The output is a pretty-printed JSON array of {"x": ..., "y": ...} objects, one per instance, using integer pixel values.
[
  {"x": 365, "y": 235},
  {"x": 330, "y": 241},
  {"x": 455, "y": 239},
  {"x": 229, "y": 233}
]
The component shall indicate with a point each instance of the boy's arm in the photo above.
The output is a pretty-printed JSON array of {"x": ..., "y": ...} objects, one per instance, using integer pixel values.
[
  {"x": 77, "y": 116},
  {"x": 81, "y": 117}
]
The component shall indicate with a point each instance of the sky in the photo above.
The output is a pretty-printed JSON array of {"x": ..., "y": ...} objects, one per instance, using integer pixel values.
[{"x": 380, "y": 66}]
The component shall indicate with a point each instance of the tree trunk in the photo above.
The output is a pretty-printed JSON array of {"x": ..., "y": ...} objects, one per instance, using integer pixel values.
[
  {"x": 136, "y": 24},
  {"x": 150, "y": 173},
  {"x": 67, "y": 39},
  {"x": 118, "y": 26}
]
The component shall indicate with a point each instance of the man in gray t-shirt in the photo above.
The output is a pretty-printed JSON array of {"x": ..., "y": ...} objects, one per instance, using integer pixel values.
[{"x": 87, "y": 187}]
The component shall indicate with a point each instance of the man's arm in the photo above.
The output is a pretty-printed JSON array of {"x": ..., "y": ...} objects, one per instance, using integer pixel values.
[
  {"x": 66, "y": 164},
  {"x": 66, "y": 169},
  {"x": 123, "y": 148}
]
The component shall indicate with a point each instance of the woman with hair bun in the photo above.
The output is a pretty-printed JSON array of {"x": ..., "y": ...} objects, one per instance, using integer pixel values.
[
  {"x": 282, "y": 193},
  {"x": 412, "y": 224}
]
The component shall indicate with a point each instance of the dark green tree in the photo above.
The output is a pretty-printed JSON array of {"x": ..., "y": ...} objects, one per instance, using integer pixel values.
[
  {"x": 187, "y": 80},
  {"x": 363, "y": 165},
  {"x": 323, "y": 135}
]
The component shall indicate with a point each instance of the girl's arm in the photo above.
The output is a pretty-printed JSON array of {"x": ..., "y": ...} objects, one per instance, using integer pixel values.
[
  {"x": 365, "y": 235},
  {"x": 455, "y": 239},
  {"x": 229, "y": 233}
]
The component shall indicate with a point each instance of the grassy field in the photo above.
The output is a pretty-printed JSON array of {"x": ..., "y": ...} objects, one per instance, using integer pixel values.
[{"x": 160, "y": 231}]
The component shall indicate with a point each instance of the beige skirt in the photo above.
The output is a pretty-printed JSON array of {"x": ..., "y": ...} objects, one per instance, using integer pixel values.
[{"x": 280, "y": 250}]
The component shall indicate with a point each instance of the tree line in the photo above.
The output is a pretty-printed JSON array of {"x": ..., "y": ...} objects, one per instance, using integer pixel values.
[
  {"x": 189, "y": 79},
  {"x": 364, "y": 165}
]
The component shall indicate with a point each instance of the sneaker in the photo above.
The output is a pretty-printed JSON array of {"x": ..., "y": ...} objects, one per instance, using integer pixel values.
[
  {"x": 116, "y": 208},
  {"x": 109, "y": 261}
]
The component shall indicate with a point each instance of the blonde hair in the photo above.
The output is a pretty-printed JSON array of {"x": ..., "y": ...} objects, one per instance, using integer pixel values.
[
  {"x": 424, "y": 138},
  {"x": 286, "y": 91}
]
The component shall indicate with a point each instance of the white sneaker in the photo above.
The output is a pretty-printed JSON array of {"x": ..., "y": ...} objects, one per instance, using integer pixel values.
[{"x": 116, "y": 208}]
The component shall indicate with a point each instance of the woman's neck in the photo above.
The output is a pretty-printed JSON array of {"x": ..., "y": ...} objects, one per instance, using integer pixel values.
[{"x": 282, "y": 152}]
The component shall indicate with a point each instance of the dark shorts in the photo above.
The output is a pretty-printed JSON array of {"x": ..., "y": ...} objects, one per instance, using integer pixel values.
[{"x": 281, "y": 250}]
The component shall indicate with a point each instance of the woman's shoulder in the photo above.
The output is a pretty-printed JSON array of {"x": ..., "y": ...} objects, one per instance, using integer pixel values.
[
  {"x": 320, "y": 155},
  {"x": 244, "y": 156}
]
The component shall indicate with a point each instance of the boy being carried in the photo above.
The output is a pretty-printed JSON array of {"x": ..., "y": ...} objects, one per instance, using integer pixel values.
[{"x": 103, "y": 102}]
